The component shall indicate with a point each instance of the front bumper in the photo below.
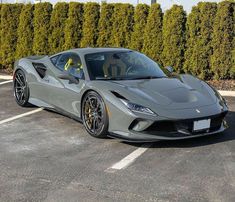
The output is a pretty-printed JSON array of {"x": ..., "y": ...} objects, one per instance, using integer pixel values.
[{"x": 177, "y": 130}]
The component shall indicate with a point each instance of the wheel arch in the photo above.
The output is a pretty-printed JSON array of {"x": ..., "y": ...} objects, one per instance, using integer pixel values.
[{"x": 83, "y": 96}]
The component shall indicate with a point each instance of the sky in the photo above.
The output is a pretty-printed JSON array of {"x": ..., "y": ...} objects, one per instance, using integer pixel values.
[{"x": 166, "y": 4}]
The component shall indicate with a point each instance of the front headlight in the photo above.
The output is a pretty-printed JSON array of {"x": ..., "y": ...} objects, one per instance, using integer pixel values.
[{"x": 138, "y": 108}]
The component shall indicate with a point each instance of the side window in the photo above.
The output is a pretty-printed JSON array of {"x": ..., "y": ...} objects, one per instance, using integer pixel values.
[
  {"x": 62, "y": 60},
  {"x": 54, "y": 59},
  {"x": 71, "y": 63}
]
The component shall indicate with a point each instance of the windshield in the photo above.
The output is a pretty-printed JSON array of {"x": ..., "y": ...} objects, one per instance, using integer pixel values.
[{"x": 122, "y": 65}]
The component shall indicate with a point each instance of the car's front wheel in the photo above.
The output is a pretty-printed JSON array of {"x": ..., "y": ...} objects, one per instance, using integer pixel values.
[
  {"x": 21, "y": 89},
  {"x": 94, "y": 115}
]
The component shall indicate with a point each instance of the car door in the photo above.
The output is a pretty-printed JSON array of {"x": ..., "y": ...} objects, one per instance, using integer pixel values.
[{"x": 67, "y": 96}]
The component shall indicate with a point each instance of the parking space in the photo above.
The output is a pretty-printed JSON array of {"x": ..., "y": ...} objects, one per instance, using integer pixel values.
[{"x": 48, "y": 157}]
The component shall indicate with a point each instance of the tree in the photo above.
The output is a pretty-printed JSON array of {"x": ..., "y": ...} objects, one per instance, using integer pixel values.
[
  {"x": 57, "y": 26},
  {"x": 25, "y": 32},
  {"x": 122, "y": 25},
  {"x": 222, "y": 60},
  {"x": 90, "y": 25},
  {"x": 174, "y": 22},
  {"x": 9, "y": 23},
  {"x": 105, "y": 25},
  {"x": 153, "y": 33},
  {"x": 199, "y": 48},
  {"x": 73, "y": 26},
  {"x": 140, "y": 20},
  {"x": 42, "y": 14}
]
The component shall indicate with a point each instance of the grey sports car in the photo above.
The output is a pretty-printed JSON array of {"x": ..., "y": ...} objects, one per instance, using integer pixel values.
[{"x": 120, "y": 93}]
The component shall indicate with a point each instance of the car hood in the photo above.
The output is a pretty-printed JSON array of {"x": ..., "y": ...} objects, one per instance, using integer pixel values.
[{"x": 170, "y": 93}]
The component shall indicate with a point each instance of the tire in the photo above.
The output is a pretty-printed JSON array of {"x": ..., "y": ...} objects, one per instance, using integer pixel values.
[
  {"x": 21, "y": 89},
  {"x": 94, "y": 115}
]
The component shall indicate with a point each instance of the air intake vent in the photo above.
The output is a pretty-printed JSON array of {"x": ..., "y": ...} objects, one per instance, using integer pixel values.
[
  {"x": 40, "y": 68},
  {"x": 118, "y": 95}
]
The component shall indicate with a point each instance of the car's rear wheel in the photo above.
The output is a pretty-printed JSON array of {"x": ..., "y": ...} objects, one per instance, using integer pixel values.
[
  {"x": 94, "y": 115},
  {"x": 21, "y": 89}
]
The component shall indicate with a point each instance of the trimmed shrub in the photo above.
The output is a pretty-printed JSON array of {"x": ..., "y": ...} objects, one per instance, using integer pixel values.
[
  {"x": 73, "y": 26},
  {"x": 90, "y": 24},
  {"x": 122, "y": 25},
  {"x": 222, "y": 60},
  {"x": 9, "y": 23},
  {"x": 153, "y": 33},
  {"x": 174, "y": 23},
  {"x": 105, "y": 25},
  {"x": 57, "y": 27},
  {"x": 42, "y": 14},
  {"x": 140, "y": 20},
  {"x": 25, "y": 32},
  {"x": 199, "y": 48},
  {"x": 0, "y": 34}
]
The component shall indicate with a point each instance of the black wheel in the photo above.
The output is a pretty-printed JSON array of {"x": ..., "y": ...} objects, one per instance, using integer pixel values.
[
  {"x": 21, "y": 90},
  {"x": 94, "y": 115}
]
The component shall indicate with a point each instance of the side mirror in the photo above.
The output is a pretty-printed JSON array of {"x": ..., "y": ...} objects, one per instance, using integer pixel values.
[
  {"x": 169, "y": 69},
  {"x": 69, "y": 77}
]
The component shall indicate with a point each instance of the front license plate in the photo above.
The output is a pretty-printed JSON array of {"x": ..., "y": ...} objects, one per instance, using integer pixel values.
[{"x": 201, "y": 125}]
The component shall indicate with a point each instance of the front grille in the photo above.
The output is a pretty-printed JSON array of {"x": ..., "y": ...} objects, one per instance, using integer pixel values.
[{"x": 185, "y": 127}]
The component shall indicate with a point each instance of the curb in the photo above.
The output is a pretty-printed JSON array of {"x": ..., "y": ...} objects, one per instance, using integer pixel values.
[
  {"x": 227, "y": 93},
  {"x": 5, "y": 77},
  {"x": 222, "y": 92}
]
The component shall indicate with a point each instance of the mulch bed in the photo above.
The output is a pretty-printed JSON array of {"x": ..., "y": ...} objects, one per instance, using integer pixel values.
[{"x": 223, "y": 84}]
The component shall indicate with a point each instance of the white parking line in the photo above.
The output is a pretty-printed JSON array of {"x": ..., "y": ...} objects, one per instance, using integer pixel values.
[
  {"x": 4, "y": 82},
  {"x": 21, "y": 115},
  {"x": 125, "y": 162}
]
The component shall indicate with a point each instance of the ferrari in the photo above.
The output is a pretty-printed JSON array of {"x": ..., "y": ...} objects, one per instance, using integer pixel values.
[{"x": 120, "y": 93}]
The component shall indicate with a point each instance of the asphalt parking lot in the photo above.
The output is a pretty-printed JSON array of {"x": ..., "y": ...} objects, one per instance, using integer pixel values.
[{"x": 48, "y": 157}]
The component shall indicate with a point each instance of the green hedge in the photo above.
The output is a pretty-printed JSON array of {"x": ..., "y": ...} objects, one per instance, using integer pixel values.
[
  {"x": 153, "y": 43},
  {"x": 57, "y": 27},
  {"x": 73, "y": 26},
  {"x": 174, "y": 23},
  {"x": 9, "y": 22},
  {"x": 42, "y": 15},
  {"x": 201, "y": 43},
  {"x": 122, "y": 25},
  {"x": 90, "y": 25},
  {"x": 199, "y": 47},
  {"x": 105, "y": 25},
  {"x": 140, "y": 20},
  {"x": 223, "y": 42},
  {"x": 25, "y": 32}
]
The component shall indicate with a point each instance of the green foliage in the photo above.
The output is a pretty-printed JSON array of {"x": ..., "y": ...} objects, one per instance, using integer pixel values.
[
  {"x": 199, "y": 48},
  {"x": 203, "y": 44},
  {"x": 73, "y": 26},
  {"x": 105, "y": 25},
  {"x": 153, "y": 33},
  {"x": 25, "y": 32},
  {"x": 222, "y": 60},
  {"x": 90, "y": 25},
  {"x": 57, "y": 26},
  {"x": 174, "y": 22},
  {"x": 42, "y": 14},
  {"x": 0, "y": 34},
  {"x": 122, "y": 25},
  {"x": 140, "y": 20},
  {"x": 9, "y": 23}
]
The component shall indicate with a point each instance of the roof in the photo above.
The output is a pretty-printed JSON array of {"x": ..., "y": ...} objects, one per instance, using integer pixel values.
[{"x": 95, "y": 50}]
